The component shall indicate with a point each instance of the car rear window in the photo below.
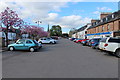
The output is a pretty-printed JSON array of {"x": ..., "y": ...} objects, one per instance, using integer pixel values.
[
  {"x": 103, "y": 40},
  {"x": 35, "y": 41},
  {"x": 115, "y": 40}
]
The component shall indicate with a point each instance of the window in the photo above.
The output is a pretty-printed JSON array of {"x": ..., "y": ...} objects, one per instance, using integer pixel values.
[
  {"x": 103, "y": 40},
  {"x": 106, "y": 18},
  {"x": 112, "y": 15},
  {"x": 108, "y": 27},
  {"x": 35, "y": 41},
  {"x": 20, "y": 41},
  {"x": 28, "y": 42},
  {"x": 98, "y": 29},
  {"x": 115, "y": 40},
  {"x": 102, "y": 28}
]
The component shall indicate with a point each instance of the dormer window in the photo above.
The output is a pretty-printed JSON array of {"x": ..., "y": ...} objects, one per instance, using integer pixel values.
[
  {"x": 106, "y": 19},
  {"x": 101, "y": 20},
  {"x": 96, "y": 23},
  {"x": 112, "y": 15}
]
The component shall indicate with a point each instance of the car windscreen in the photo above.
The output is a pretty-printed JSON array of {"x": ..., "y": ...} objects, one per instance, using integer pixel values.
[
  {"x": 20, "y": 41},
  {"x": 97, "y": 40},
  {"x": 115, "y": 40},
  {"x": 103, "y": 40}
]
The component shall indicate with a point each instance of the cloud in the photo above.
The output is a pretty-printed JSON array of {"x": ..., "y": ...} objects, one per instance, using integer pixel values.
[
  {"x": 29, "y": 9},
  {"x": 102, "y": 9},
  {"x": 41, "y": 11},
  {"x": 60, "y": 0},
  {"x": 72, "y": 21}
]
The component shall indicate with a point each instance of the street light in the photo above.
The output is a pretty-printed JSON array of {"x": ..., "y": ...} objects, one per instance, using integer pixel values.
[{"x": 38, "y": 22}]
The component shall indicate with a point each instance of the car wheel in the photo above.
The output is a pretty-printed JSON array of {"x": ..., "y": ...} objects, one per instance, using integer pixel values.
[
  {"x": 118, "y": 53},
  {"x": 54, "y": 42},
  {"x": 11, "y": 48},
  {"x": 51, "y": 42},
  {"x": 32, "y": 49}
]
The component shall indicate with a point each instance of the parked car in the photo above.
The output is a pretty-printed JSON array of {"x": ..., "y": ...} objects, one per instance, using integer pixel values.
[
  {"x": 47, "y": 40},
  {"x": 85, "y": 42},
  {"x": 72, "y": 39},
  {"x": 110, "y": 44},
  {"x": 94, "y": 43},
  {"x": 25, "y": 44},
  {"x": 76, "y": 39},
  {"x": 88, "y": 42},
  {"x": 79, "y": 41},
  {"x": 54, "y": 37}
]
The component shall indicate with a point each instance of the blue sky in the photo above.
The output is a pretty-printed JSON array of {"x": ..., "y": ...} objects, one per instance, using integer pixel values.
[
  {"x": 66, "y": 14},
  {"x": 84, "y": 9}
]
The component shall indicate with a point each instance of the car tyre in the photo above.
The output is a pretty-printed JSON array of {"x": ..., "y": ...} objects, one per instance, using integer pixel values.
[
  {"x": 51, "y": 42},
  {"x": 54, "y": 42},
  {"x": 118, "y": 53},
  {"x": 11, "y": 48},
  {"x": 31, "y": 49}
]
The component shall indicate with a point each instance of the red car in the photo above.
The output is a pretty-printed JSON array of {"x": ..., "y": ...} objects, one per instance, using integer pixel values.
[{"x": 79, "y": 41}]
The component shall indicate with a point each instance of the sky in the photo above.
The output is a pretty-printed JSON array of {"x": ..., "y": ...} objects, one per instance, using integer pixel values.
[{"x": 66, "y": 14}]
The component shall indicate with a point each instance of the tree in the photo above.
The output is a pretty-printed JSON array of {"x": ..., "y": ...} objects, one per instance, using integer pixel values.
[
  {"x": 56, "y": 30},
  {"x": 34, "y": 31},
  {"x": 9, "y": 18},
  {"x": 72, "y": 31}
]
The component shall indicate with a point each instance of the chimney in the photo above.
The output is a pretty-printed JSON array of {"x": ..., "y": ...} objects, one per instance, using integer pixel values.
[{"x": 104, "y": 14}]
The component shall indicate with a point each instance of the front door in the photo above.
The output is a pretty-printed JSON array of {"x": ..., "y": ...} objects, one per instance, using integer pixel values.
[{"x": 20, "y": 45}]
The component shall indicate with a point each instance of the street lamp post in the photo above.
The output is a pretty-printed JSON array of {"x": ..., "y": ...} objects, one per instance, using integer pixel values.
[{"x": 38, "y": 22}]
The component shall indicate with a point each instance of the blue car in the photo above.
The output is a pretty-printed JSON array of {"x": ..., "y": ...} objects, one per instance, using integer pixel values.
[
  {"x": 95, "y": 42},
  {"x": 25, "y": 44}
]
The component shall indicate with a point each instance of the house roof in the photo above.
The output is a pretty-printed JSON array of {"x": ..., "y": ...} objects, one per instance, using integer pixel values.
[{"x": 82, "y": 28}]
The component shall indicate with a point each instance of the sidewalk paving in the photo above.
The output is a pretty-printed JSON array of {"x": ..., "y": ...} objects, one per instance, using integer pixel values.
[{"x": 3, "y": 49}]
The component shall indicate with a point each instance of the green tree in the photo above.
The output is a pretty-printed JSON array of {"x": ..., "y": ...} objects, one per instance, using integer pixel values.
[{"x": 56, "y": 30}]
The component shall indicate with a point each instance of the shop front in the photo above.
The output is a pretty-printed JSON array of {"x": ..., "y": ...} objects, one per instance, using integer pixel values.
[{"x": 100, "y": 35}]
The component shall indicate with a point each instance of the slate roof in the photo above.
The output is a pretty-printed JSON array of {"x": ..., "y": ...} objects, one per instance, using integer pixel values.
[{"x": 82, "y": 28}]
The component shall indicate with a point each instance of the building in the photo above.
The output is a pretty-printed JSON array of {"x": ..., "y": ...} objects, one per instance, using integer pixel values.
[
  {"x": 107, "y": 26},
  {"x": 81, "y": 32}
]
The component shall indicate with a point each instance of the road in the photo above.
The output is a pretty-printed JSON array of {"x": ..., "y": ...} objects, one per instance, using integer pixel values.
[{"x": 65, "y": 59}]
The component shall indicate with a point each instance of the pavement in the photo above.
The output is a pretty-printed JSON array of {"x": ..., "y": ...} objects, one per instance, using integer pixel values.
[
  {"x": 65, "y": 59},
  {"x": 3, "y": 49}
]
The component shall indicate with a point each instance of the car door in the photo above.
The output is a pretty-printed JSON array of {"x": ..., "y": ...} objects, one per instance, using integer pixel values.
[
  {"x": 46, "y": 40},
  {"x": 28, "y": 44},
  {"x": 20, "y": 45}
]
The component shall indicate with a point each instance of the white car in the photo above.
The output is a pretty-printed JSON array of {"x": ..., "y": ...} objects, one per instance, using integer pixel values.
[
  {"x": 47, "y": 40},
  {"x": 110, "y": 44}
]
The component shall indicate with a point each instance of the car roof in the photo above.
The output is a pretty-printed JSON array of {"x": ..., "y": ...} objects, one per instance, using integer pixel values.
[{"x": 24, "y": 39}]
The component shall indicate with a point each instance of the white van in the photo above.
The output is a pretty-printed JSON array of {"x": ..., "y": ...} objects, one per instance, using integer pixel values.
[{"x": 110, "y": 44}]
